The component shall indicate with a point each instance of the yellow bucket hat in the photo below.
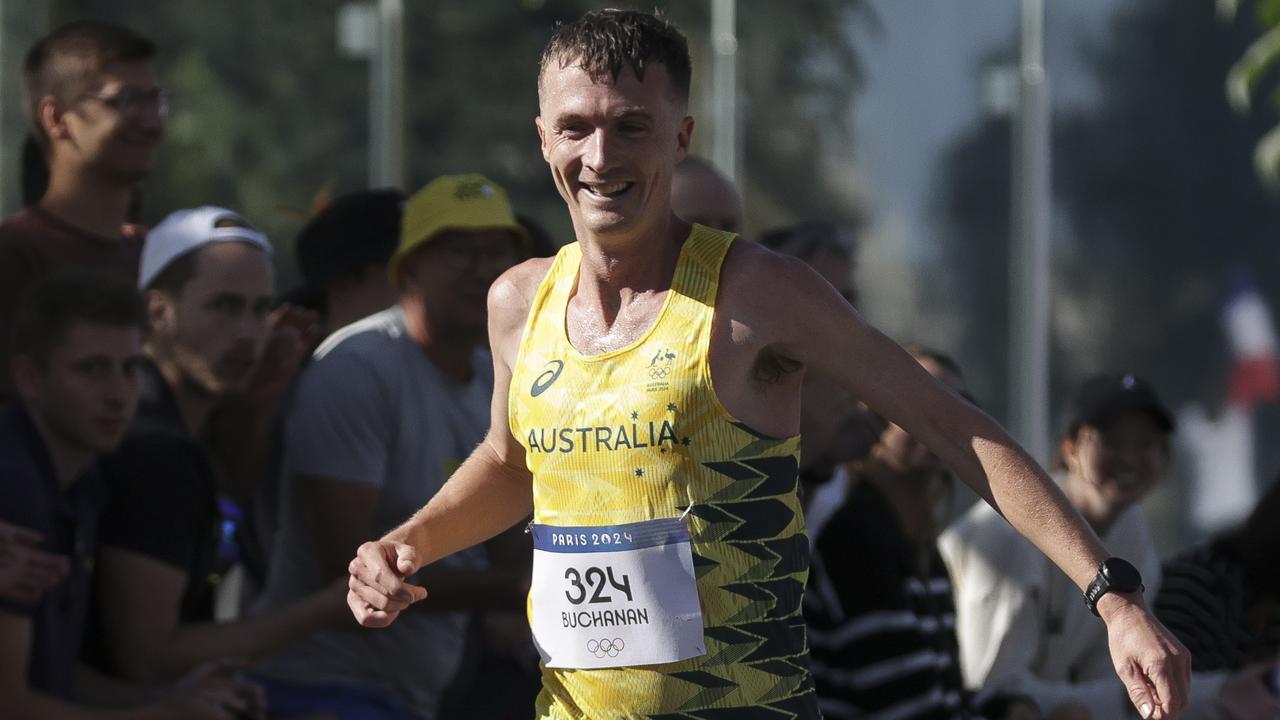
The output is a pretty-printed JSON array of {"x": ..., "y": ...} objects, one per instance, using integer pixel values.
[{"x": 454, "y": 202}]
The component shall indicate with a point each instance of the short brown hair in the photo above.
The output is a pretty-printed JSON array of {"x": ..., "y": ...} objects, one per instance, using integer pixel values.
[
  {"x": 65, "y": 62},
  {"x": 57, "y": 301},
  {"x": 603, "y": 41}
]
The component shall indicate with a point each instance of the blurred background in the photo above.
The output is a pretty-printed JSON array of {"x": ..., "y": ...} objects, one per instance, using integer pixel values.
[{"x": 1149, "y": 183}]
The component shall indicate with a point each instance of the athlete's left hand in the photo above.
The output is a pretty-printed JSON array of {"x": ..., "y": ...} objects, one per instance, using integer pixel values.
[{"x": 1154, "y": 666}]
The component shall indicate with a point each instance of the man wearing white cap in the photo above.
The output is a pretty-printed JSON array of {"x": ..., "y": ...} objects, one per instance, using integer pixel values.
[
  {"x": 386, "y": 411},
  {"x": 208, "y": 282}
]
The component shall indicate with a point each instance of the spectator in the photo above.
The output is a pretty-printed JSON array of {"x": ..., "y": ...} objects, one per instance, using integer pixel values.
[
  {"x": 702, "y": 194},
  {"x": 540, "y": 242},
  {"x": 879, "y": 605},
  {"x": 97, "y": 112},
  {"x": 77, "y": 349},
  {"x": 343, "y": 252},
  {"x": 1020, "y": 621},
  {"x": 383, "y": 415},
  {"x": 1222, "y": 600},
  {"x": 208, "y": 282}
]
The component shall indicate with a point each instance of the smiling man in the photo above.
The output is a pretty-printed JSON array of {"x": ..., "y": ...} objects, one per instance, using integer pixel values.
[
  {"x": 96, "y": 111},
  {"x": 669, "y": 547}
]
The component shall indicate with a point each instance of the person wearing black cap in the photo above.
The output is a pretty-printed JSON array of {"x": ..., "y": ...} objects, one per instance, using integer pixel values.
[
  {"x": 1019, "y": 620},
  {"x": 343, "y": 252}
]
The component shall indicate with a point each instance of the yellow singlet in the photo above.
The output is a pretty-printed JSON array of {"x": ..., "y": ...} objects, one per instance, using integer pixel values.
[{"x": 638, "y": 434}]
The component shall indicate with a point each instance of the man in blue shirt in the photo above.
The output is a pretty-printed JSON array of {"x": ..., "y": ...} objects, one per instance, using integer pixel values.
[{"x": 77, "y": 347}]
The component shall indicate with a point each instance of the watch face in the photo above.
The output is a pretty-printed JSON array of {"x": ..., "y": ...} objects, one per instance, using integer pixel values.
[{"x": 1122, "y": 576}]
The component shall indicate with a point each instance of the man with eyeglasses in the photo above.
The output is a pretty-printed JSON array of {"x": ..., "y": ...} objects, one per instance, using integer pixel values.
[
  {"x": 94, "y": 106},
  {"x": 382, "y": 416}
]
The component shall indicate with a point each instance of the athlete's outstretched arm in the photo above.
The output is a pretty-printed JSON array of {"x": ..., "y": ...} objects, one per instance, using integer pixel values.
[
  {"x": 489, "y": 493},
  {"x": 818, "y": 329}
]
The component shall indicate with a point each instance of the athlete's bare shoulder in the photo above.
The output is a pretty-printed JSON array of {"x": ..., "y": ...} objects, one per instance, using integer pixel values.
[
  {"x": 770, "y": 309},
  {"x": 510, "y": 298},
  {"x": 762, "y": 287}
]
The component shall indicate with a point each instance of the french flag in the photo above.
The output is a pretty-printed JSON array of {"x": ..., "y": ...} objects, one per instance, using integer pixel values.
[{"x": 1255, "y": 370}]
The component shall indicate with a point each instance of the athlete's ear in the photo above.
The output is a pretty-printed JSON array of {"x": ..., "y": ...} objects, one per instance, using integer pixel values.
[
  {"x": 683, "y": 137},
  {"x": 542, "y": 137}
]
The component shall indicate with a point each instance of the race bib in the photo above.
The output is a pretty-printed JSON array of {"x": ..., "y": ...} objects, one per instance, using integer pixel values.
[{"x": 615, "y": 595}]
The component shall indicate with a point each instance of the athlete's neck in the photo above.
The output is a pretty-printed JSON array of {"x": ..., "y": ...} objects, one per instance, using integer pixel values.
[
  {"x": 85, "y": 200},
  {"x": 615, "y": 270}
]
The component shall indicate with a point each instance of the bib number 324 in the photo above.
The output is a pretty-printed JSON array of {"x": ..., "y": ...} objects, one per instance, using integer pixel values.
[
  {"x": 615, "y": 596},
  {"x": 595, "y": 578}
]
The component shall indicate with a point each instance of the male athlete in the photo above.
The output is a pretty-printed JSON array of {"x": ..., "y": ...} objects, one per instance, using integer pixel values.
[{"x": 646, "y": 404}]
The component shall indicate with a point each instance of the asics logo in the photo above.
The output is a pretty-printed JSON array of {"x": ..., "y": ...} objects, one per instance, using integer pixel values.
[{"x": 548, "y": 376}]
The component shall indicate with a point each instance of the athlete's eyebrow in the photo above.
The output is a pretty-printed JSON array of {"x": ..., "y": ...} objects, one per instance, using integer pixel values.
[
  {"x": 565, "y": 119},
  {"x": 638, "y": 112},
  {"x": 631, "y": 112}
]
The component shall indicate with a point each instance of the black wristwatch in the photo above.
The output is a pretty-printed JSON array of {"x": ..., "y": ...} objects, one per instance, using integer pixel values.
[{"x": 1114, "y": 575}]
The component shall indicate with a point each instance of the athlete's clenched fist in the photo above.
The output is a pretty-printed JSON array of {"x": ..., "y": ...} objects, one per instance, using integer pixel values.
[{"x": 377, "y": 590}]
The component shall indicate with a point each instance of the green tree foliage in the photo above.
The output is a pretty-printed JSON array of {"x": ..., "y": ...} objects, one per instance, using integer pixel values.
[{"x": 1253, "y": 74}]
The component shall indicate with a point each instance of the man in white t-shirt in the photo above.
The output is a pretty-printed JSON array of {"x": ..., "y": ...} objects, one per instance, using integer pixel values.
[{"x": 1019, "y": 620}]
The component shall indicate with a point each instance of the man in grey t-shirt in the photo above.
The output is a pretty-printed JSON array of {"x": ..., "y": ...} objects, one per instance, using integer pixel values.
[{"x": 380, "y": 419}]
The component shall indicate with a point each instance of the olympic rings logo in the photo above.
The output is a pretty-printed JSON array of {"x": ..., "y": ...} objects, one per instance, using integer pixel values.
[
  {"x": 657, "y": 373},
  {"x": 606, "y": 647}
]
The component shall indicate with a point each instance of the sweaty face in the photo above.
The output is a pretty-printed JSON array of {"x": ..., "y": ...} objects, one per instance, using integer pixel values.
[
  {"x": 116, "y": 125},
  {"x": 1120, "y": 462},
  {"x": 214, "y": 332},
  {"x": 87, "y": 395},
  {"x": 904, "y": 453},
  {"x": 612, "y": 146},
  {"x": 451, "y": 275}
]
